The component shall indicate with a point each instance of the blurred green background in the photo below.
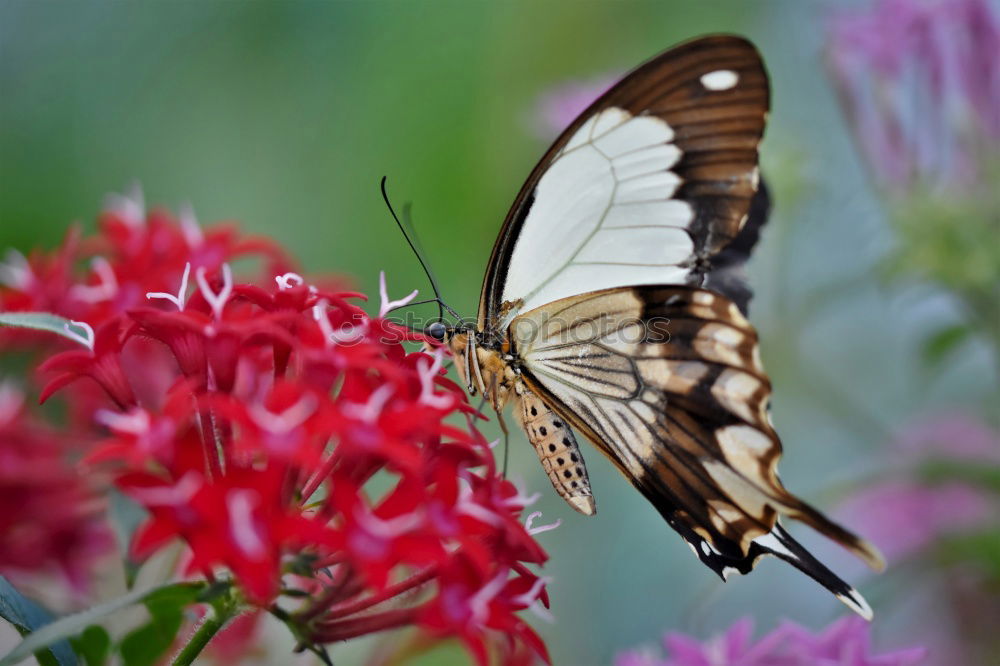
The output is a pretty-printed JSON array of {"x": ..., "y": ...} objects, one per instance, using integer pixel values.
[{"x": 284, "y": 115}]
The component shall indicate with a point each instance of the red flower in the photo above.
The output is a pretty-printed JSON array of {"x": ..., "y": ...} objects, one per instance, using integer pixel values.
[
  {"x": 299, "y": 442},
  {"x": 102, "y": 363},
  {"x": 390, "y": 535},
  {"x": 473, "y": 602},
  {"x": 49, "y": 516},
  {"x": 243, "y": 521},
  {"x": 288, "y": 422}
]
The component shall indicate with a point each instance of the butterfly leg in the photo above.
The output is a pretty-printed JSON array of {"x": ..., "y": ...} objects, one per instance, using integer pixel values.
[
  {"x": 506, "y": 441},
  {"x": 557, "y": 450}
]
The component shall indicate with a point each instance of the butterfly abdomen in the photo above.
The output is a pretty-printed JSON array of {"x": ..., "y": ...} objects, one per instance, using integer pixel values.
[{"x": 557, "y": 450}]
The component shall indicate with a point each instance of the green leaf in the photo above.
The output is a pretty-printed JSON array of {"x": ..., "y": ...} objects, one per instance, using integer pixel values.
[
  {"x": 145, "y": 645},
  {"x": 27, "y": 616},
  {"x": 94, "y": 645},
  {"x": 215, "y": 591},
  {"x": 126, "y": 516},
  {"x": 46, "y": 658},
  {"x": 74, "y": 624},
  {"x": 983, "y": 475},
  {"x": 980, "y": 548},
  {"x": 943, "y": 342},
  {"x": 44, "y": 321}
]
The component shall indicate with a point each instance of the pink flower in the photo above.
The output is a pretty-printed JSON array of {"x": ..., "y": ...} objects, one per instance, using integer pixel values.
[
  {"x": 907, "y": 517},
  {"x": 919, "y": 84},
  {"x": 955, "y": 435},
  {"x": 905, "y": 514},
  {"x": 559, "y": 106},
  {"x": 846, "y": 642}
]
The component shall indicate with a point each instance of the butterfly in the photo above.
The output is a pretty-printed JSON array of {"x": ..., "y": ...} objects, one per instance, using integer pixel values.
[{"x": 614, "y": 305}]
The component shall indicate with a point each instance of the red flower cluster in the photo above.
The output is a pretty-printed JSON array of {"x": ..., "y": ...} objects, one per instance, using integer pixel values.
[
  {"x": 284, "y": 435},
  {"x": 49, "y": 516}
]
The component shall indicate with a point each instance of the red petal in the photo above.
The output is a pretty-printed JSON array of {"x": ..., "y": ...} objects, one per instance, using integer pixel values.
[
  {"x": 68, "y": 361},
  {"x": 150, "y": 537},
  {"x": 55, "y": 385}
]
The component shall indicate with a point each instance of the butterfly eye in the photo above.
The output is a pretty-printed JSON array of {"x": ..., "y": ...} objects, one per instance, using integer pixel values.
[{"x": 437, "y": 330}]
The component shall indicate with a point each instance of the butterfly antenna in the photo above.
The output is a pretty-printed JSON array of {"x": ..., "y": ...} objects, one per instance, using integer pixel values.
[{"x": 413, "y": 246}]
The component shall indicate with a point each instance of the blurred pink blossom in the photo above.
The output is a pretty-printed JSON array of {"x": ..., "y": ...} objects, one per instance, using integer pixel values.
[
  {"x": 904, "y": 517},
  {"x": 904, "y": 514},
  {"x": 920, "y": 85},
  {"x": 846, "y": 642},
  {"x": 954, "y": 434},
  {"x": 558, "y": 107}
]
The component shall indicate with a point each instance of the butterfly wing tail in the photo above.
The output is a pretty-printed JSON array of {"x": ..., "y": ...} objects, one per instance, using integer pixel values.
[
  {"x": 781, "y": 544},
  {"x": 862, "y": 548}
]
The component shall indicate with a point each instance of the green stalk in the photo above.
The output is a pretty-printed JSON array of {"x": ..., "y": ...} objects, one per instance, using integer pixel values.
[{"x": 213, "y": 622}]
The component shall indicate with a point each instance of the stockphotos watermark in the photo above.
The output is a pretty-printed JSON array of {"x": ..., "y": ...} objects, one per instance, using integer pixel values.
[{"x": 607, "y": 329}]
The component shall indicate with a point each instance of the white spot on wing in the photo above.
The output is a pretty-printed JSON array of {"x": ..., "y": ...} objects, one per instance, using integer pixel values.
[
  {"x": 734, "y": 389},
  {"x": 721, "y": 79},
  {"x": 857, "y": 603},
  {"x": 729, "y": 571},
  {"x": 771, "y": 542},
  {"x": 719, "y": 343},
  {"x": 743, "y": 446}
]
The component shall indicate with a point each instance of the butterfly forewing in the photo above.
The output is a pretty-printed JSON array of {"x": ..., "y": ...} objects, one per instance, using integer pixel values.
[{"x": 649, "y": 183}]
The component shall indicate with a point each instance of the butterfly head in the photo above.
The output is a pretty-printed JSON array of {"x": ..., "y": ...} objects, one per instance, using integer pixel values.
[
  {"x": 461, "y": 342},
  {"x": 453, "y": 339},
  {"x": 439, "y": 331}
]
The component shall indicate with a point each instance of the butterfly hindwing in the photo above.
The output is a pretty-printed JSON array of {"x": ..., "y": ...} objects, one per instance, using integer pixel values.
[
  {"x": 644, "y": 188},
  {"x": 668, "y": 383}
]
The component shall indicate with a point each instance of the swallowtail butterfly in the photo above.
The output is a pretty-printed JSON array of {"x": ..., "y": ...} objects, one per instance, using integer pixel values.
[{"x": 614, "y": 305}]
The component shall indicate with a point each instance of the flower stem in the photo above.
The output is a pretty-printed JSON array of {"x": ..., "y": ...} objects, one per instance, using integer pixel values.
[
  {"x": 358, "y": 605},
  {"x": 369, "y": 624},
  {"x": 317, "y": 479},
  {"x": 214, "y": 620},
  {"x": 210, "y": 443}
]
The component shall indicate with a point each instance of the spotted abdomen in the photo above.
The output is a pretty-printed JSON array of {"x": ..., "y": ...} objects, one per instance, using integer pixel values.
[{"x": 557, "y": 450}]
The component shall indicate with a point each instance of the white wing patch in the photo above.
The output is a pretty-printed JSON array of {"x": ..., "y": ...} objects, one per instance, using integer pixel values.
[
  {"x": 603, "y": 215},
  {"x": 722, "y": 79}
]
